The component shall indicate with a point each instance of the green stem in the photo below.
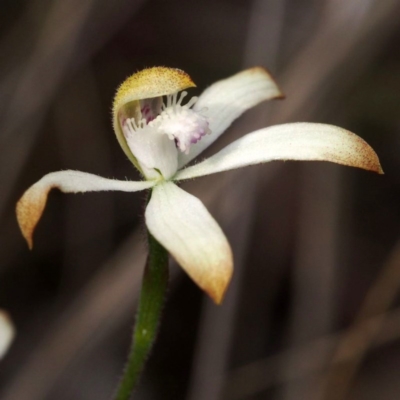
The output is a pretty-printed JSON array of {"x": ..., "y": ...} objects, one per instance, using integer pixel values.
[{"x": 151, "y": 301}]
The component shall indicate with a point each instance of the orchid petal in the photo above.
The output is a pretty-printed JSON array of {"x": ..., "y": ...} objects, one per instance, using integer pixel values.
[
  {"x": 182, "y": 224},
  {"x": 7, "y": 333},
  {"x": 228, "y": 99},
  {"x": 31, "y": 205},
  {"x": 297, "y": 141},
  {"x": 145, "y": 84}
]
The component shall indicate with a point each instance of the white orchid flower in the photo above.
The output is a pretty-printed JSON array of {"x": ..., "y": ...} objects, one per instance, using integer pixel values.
[
  {"x": 161, "y": 137},
  {"x": 7, "y": 333}
]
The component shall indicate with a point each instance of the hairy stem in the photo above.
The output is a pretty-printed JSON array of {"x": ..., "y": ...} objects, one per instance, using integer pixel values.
[{"x": 154, "y": 287}]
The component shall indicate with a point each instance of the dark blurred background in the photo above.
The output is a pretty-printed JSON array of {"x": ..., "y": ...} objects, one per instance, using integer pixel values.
[{"x": 312, "y": 312}]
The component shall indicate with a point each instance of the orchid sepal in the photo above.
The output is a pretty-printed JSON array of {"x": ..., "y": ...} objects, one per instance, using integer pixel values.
[
  {"x": 181, "y": 223},
  {"x": 31, "y": 205}
]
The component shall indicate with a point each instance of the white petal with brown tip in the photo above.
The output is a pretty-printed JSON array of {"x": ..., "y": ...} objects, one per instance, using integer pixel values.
[
  {"x": 31, "y": 205},
  {"x": 182, "y": 224},
  {"x": 297, "y": 141},
  {"x": 228, "y": 99}
]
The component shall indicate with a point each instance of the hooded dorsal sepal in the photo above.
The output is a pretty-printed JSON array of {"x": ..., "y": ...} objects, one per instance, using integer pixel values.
[{"x": 149, "y": 83}]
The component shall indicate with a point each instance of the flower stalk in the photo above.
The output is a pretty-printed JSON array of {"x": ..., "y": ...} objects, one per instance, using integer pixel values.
[{"x": 151, "y": 301}]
